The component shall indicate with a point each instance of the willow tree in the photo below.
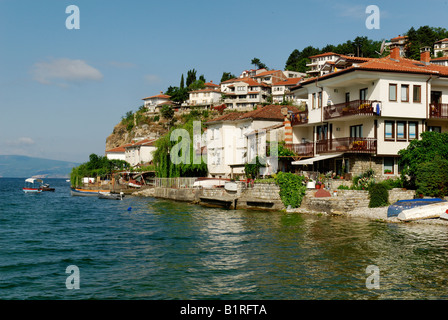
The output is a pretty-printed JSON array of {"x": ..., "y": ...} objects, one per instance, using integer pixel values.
[{"x": 192, "y": 165}]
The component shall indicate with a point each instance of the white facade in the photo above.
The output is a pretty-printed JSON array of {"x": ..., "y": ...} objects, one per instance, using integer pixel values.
[
  {"x": 245, "y": 93},
  {"x": 441, "y": 46},
  {"x": 140, "y": 152},
  {"x": 372, "y": 113},
  {"x": 154, "y": 102},
  {"x": 116, "y": 153}
]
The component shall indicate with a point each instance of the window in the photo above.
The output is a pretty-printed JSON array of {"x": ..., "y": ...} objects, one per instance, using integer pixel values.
[
  {"x": 363, "y": 94},
  {"x": 392, "y": 92},
  {"x": 356, "y": 131},
  {"x": 389, "y": 130},
  {"x": 347, "y": 97},
  {"x": 417, "y": 94},
  {"x": 401, "y": 130},
  {"x": 240, "y": 88},
  {"x": 405, "y": 93},
  {"x": 313, "y": 102},
  {"x": 320, "y": 100},
  {"x": 412, "y": 130},
  {"x": 388, "y": 165},
  {"x": 435, "y": 129}
]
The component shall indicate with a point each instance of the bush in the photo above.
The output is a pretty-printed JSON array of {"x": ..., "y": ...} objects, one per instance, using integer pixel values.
[
  {"x": 292, "y": 188},
  {"x": 379, "y": 195},
  {"x": 431, "y": 178}
]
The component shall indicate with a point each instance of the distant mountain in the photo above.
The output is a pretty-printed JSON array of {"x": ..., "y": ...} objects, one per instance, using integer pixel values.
[{"x": 25, "y": 167}]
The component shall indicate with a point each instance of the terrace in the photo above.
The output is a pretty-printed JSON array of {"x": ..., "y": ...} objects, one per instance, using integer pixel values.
[{"x": 356, "y": 107}]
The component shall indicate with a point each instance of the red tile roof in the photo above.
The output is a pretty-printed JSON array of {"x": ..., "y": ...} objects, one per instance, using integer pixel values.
[
  {"x": 163, "y": 96},
  {"x": 270, "y": 112},
  {"x": 287, "y": 82},
  {"x": 324, "y": 55},
  {"x": 211, "y": 84},
  {"x": 144, "y": 142}
]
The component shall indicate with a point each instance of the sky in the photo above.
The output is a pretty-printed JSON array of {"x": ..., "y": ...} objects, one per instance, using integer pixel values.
[{"x": 63, "y": 90}]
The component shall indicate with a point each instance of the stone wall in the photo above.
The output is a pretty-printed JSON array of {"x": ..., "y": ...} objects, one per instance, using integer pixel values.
[{"x": 348, "y": 200}]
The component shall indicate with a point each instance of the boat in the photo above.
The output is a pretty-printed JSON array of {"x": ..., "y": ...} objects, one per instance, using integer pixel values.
[
  {"x": 46, "y": 187},
  {"x": 110, "y": 195},
  {"x": 33, "y": 185},
  {"x": 396, "y": 208},
  {"x": 84, "y": 192},
  {"x": 444, "y": 215},
  {"x": 430, "y": 211},
  {"x": 209, "y": 183},
  {"x": 231, "y": 186}
]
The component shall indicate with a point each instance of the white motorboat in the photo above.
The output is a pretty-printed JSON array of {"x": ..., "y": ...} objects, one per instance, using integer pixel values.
[{"x": 429, "y": 211}]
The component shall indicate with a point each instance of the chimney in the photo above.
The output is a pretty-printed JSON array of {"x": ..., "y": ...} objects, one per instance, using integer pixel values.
[
  {"x": 395, "y": 53},
  {"x": 425, "y": 55}
]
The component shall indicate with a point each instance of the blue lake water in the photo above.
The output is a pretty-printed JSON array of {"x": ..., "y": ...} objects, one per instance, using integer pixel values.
[{"x": 170, "y": 250}]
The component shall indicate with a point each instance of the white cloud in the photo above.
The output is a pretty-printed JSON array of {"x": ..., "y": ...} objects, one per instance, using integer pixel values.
[
  {"x": 23, "y": 141},
  {"x": 152, "y": 78},
  {"x": 65, "y": 70}
]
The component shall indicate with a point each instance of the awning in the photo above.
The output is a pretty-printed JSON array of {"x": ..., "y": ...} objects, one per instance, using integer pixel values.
[{"x": 315, "y": 159}]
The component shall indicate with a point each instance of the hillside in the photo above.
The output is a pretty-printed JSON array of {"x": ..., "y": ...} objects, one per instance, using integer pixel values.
[{"x": 13, "y": 166}]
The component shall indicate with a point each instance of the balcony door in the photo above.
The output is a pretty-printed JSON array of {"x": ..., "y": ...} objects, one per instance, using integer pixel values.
[{"x": 436, "y": 97}]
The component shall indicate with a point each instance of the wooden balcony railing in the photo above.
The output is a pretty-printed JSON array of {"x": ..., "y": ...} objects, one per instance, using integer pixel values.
[
  {"x": 438, "y": 110},
  {"x": 299, "y": 118},
  {"x": 302, "y": 149},
  {"x": 356, "y": 107},
  {"x": 350, "y": 145}
]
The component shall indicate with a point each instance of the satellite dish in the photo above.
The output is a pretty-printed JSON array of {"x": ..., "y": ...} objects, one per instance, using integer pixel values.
[{"x": 382, "y": 46}]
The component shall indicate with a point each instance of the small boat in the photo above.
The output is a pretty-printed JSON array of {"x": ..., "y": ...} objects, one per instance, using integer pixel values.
[
  {"x": 111, "y": 195},
  {"x": 33, "y": 185},
  {"x": 397, "y": 207},
  {"x": 209, "y": 183},
  {"x": 84, "y": 192},
  {"x": 429, "y": 211},
  {"x": 46, "y": 187},
  {"x": 231, "y": 186},
  {"x": 444, "y": 215}
]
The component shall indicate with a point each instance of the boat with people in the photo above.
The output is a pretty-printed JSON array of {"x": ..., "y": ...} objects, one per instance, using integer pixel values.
[
  {"x": 33, "y": 185},
  {"x": 396, "y": 208},
  {"x": 110, "y": 195}
]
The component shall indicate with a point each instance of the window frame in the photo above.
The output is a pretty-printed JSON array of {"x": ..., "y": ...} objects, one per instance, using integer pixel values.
[
  {"x": 393, "y": 85},
  {"x": 409, "y": 130},
  {"x": 404, "y": 86},
  {"x": 419, "y": 93},
  {"x": 404, "y": 137},
  {"x": 392, "y": 138}
]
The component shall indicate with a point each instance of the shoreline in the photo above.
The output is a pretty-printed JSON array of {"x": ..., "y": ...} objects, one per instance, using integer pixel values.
[{"x": 377, "y": 214}]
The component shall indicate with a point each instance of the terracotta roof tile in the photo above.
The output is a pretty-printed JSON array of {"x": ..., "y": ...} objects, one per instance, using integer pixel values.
[{"x": 270, "y": 112}]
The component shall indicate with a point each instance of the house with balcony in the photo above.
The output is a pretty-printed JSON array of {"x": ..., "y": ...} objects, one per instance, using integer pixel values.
[
  {"x": 360, "y": 116},
  {"x": 281, "y": 91},
  {"x": 319, "y": 60},
  {"x": 244, "y": 93},
  {"x": 140, "y": 152},
  {"x": 206, "y": 97},
  {"x": 442, "y": 47},
  {"x": 236, "y": 138},
  {"x": 399, "y": 42}
]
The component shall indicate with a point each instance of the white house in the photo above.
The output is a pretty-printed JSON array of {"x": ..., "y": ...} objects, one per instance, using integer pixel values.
[
  {"x": 244, "y": 93},
  {"x": 443, "y": 61},
  {"x": 281, "y": 90},
  {"x": 140, "y": 152},
  {"x": 399, "y": 42},
  {"x": 360, "y": 116},
  {"x": 441, "y": 46},
  {"x": 117, "y": 153},
  {"x": 228, "y": 143},
  {"x": 206, "y": 97},
  {"x": 154, "y": 103}
]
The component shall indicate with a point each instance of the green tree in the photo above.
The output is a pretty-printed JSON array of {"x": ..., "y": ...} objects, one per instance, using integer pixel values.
[
  {"x": 260, "y": 65},
  {"x": 191, "y": 77},
  {"x": 292, "y": 188},
  {"x": 418, "y": 152},
  {"x": 167, "y": 112},
  {"x": 431, "y": 177},
  {"x": 227, "y": 76},
  {"x": 182, "y": 84}
]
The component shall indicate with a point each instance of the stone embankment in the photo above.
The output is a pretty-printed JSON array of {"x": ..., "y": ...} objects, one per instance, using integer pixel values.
[{"x": 348, "y": 203}]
